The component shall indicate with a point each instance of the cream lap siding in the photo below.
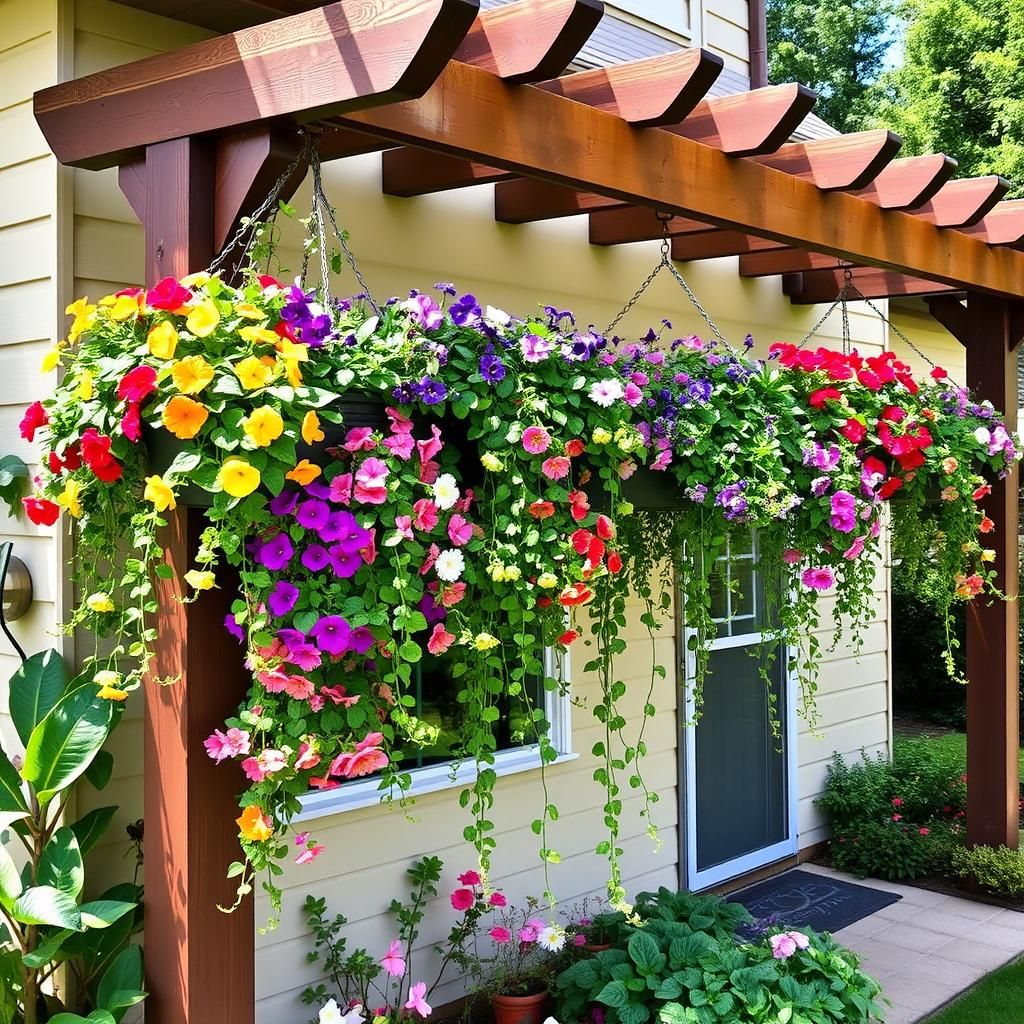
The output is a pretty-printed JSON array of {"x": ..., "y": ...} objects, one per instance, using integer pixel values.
[{"x": 726, "y": 32}]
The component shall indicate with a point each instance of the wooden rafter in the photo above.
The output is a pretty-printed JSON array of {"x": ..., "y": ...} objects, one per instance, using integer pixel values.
[
  {"x": 785, "y": 261},
  {"x": 963, "y": 202},
  {"x": 1002, "y": 225},
  {"x": 951, "y": 312},
  {"x": 909, "y": 183},
  {"x": 817, "y": 286},
  {"x": 715, "y": 243}
]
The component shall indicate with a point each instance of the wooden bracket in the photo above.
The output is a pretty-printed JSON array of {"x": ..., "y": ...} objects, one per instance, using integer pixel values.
[{"x": 950, "y": 311}]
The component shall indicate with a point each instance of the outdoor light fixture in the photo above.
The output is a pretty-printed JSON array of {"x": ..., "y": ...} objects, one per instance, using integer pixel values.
[{"x": 16, "y": 587}]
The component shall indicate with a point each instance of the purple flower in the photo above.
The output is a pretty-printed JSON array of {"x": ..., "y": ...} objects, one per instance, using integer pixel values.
[
  {"x": 820, "y": 485},
  {"x": 331, "y": 633},
  {"x": 700, "y": 390},
  {"x": 820, "y": 457},
  {"x": 697, "y": 493},
  {"x": 301, "y": 652},
  {"x": 424, "y": 312},
  {"x": 405, "y": 393},
  {"x": 313, "y": 514},
  {"x": 535, "y": 349},
  {"x": 318, "y": 489},
  {"x": 446, "y": 288},
  {"x": 345, "y": 529},
  {"x": 344, "y": 563},
  {"x": 732, "y": 501},
  {"x": 492, "y": 369},
  {"x": 281, "y": 599},
  {"x": 234, "y": 628},
  {"x": 276, "y": 552},
  {"x": 557, "y": 315},
  {"x": 315, "y": 557},
  {"x": 284, "y": 503},
  {"x": 432, "y": 611},
  {"x": 465, "y": 311},
  {"x": 844, "y": 511},
  {"x": 430, "y": 391},
  {"x": 361, "y": 640}
]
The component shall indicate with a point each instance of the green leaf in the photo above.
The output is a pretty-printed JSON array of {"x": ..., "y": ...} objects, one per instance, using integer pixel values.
[
  {"x": 96, "y": 1017},
  {"x": 89, "y": 829},
  {"x": 35, "y": 688},
  {"x": 99, "y": 772},
  {"x": 47, "y": 950},
  {"x": 644, "y": 952},
  {"x": 614, "y": 994},
  {"x": 64, "y": 743},
  {"x": 10, "y": 880},
  {"x": 103, "y": 913},
  {"x": 61, "y": 863},
  {"x": 42, "y": 904},
  {"x": 123, "y": 975},
  {"x": 410, "y": 651},
  {"x": 12, "y": 800},
  {"x": 13, "y": 477}
]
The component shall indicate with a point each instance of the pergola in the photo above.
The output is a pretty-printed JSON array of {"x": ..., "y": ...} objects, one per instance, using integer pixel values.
[{"x": 456, "y": 97}]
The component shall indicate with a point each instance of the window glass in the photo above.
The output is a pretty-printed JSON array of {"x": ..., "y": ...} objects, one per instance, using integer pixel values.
[{"x": 738, "y": 588}]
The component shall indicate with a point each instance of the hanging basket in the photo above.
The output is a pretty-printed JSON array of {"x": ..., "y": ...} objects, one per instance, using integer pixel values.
[{"x": 647, "y": 490}]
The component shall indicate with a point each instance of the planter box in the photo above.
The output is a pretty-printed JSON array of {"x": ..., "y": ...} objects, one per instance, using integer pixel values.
[{"x": 648, "y": 490}]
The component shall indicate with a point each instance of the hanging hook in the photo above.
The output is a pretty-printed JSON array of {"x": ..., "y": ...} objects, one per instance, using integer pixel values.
[{"x": 666, "y": 245}]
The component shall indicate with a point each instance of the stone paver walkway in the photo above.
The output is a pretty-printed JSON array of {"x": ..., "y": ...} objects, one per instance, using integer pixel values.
[{"x": 928, "y": 947}]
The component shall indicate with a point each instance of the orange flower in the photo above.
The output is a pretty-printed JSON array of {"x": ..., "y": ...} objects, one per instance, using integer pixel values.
[
  {"x": 311, "y": 432},
  {"x": 254, "y": 825},
  {"x": 184, "y": 417},
  {"x": 986, "y": 525},
  {"x": 304, "y": 473}
]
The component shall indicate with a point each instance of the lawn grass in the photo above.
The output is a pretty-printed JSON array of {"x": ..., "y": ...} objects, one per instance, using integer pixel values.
[
  {"x": 953, "y": 744},
  {"x": 996, "y": 999}
]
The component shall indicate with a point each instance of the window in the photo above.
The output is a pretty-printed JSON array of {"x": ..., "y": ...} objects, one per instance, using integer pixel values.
[
  {"x": 738, "y": 599},
  {"x": 437, "y": 766},
  {"x": 673, "y": 15}
]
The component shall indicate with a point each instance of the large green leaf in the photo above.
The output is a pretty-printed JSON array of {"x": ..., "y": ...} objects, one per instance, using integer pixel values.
[
  {"x": 10, "y": 881},
  {"x": 61, "y": 863},
  {"x": 90, "y": 828},
  {"x": 35, "y": 688},
  {"x": 121, "y": 984},
  {"x": 64, "y": 743},
  {"x": 103, "y": 913},
  {"x": 47, "y": 949},
  {"x": 42, "y": 904},
  {"x": 12, "y": 800},
  {"x": 99, "y": 772},
  {"x": 96, "y": 1017}
]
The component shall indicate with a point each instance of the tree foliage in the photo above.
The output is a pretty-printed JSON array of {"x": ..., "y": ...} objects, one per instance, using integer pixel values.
[{"x": 838, "y": 49}]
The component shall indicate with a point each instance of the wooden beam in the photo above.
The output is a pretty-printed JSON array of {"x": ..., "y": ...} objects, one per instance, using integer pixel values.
[
  {"x": 525, "y": 200},
  {"x": 310, "y": 65},
  {"x": 199, "y": 961},
  {"x": 715, "y": 243},
  {"x": 950, "y": 311},
  {"x": 531, "y": 39},
  {"x": 469, "y": 113},
  {"x": 131, "y": 179},
  {"x": 1002, "y": 225},
  {"x": 844, "y": 162},
  {"x": 625, "y": 223},
  {"x": 910, "y": 182},
  {"x": 655, "y": 91},
  {"x": 337, "y": 143},
  {"x": 785, "y": 261},
  {"x": 807, "y": 289},
  {"x": 993, "y": 666},
  {"x": 963, "y": 202}
]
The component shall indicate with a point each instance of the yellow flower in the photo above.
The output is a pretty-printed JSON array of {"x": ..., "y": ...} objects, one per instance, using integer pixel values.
[
  {"x": 99, "y": 603},
  {"x": 311, "y": 432},
  {"x": 547, "y": 580},
  {"x": 69, "y": 498},
  {"x": 203, "y": 319},
  {"x": 988, "y": 555},
  {"x": 491, "y": 461},
  {"x": 238, "y": 478},
  {"x": 121, "y": 306},
  {"x": 251, "y": 312},
  {"x": 162, "y": 340},
  {"x": 109, "y": 683},
  {"x": 184, "y": 417},
  {"x": 159, "y": 492},
  {"x": 84, "y": 314},
  {"x": 601, "y": 436},
  {"x": 254, "y": 825},
  {"x": 196, "y": 280},
  {"x": 254, "y": 373},
  {"x": 191, "y": 374},
  {"x": 292, "y": 354},
  {"x": 304, "y": 473},
  {"x": 52, "y": 359},
  {"x": 85, "y": 388},
  {"x": 263, "y": 426},
  {"x": 200, "y": 579},
  {"x": 485, "y": 642},
  {"x": 259, "y": 335}
]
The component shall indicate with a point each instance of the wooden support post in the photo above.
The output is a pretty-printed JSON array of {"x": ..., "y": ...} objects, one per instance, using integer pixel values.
[
  {"x": 993, "y": 667},
  {"x": 199, "y": 961}
]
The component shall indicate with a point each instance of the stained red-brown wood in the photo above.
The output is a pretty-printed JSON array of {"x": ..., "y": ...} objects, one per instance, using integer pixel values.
[
  {"x": 909, "y": 182},
  {"x": 816, "y": 286},
  {"x": 530, "y": 39},
  {"x": 131, "y": 179},
  {"x": 963, "y": 202},
  {"x": 199, "y": 961},
  {"x": 655, "y": 91},
  {"x": 950, "y": 311},
  {"x": 525, "y": 200},
  {"x": 468, "y": 113},
  {"x": 709, "y": 245},
  {"x": 343, "y": 56},
  {"x": 785, "y": 261},
  {"x": 844, "y": 162},
  {"x": 993, "y": 667},
  {"x": 748, "y": 123},
  {"x": 626, "y": 223},
  {"x": 1002, "y": 225}
]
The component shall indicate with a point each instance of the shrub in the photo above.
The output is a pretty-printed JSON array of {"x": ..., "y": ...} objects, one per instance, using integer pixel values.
[{"x": 998, "y": 871}]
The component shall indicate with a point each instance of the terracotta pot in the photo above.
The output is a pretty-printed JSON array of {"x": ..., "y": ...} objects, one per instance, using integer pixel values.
[{"x": 520, "y": 1009}]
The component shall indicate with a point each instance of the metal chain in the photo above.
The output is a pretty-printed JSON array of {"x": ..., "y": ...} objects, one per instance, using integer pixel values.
[{"x": 665, "y": 263}]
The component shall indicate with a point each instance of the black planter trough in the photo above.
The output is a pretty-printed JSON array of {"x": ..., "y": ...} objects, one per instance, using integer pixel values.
[{"x": 647, "y": 490}]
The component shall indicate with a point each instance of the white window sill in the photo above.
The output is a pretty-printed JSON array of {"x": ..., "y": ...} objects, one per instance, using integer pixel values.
[{"x": 366, "y": 792}]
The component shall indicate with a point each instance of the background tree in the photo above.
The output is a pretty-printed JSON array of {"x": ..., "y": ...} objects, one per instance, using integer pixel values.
[
  {"x": 960, "y": 87},
  {"x": 838, "y": 49}
]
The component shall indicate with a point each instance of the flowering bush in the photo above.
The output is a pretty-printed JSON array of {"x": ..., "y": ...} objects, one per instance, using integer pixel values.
[{"x": 435, "y": 477}]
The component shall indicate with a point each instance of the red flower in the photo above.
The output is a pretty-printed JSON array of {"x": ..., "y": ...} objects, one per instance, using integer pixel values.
[
  {"x": 938, "y": 373},
  {"x": 595, "y": 552},
  {"x": 580, "y": 541},
  {"x": 579, "y": 505},
  {"x": 986, "y": 525},
  {"x": 567, "y": 637},
  {"x": 541, "y": 509},
  {"x": 266, "y": 281},
  {"x": 55, "y": 464},
  {"x": 615, "y": 562},
  {"x": 911, "y": 460},
  {"x": 462, "y": 899},
  {"x": 34, "y": 418},
  {"x": 897, "y": 801},
  {"x": 137, "y": 384},
  {"x": 168, "y": 294},
  {"x": 853, "y": 430},
  {"x": 983, "y": 491},
  {"x": 108, "y": 473},
  {"x": 574, "y": 448},
  {"x": 818, "y": 398},
  {"x": 577, "y": 594},
  {"x": 40, "y": 511},
  {"x": 894, "y": 414},
  {"x": 869, "y": 379},
  {"x": 544, "y": 602},
  {"x": 96, "y": 454},
  {"x": 131, "y": 422},
  {"x": 889, "y": 488},
  {"x": 605, "y": 528}
]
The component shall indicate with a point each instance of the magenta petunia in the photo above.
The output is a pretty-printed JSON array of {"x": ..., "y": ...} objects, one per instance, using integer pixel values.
[
  {"x": 284, "y": 503},
  {"x": 282, "y": 597},
  {"x": 820, "y": 578},
  {"x": 460, "y": 530},
  {"x": 344, "y": 563},
  {"x": 361, "y": 640},
  {"x": 315, "y": 557},
  {"x": 331, "y": 633},
  {"x": 462, "y": 899},
  {"x": 275, "y": 552},
  {"x": 312, "y": 514}
]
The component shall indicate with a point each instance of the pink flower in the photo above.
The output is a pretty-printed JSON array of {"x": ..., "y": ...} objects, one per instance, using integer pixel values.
[
  {"x": 310, "y": 854},
  {"x": 469, "y": 878},
  {"x": 393, "y": 962},
  {"x": 854, "y": 550},
  {"x": 786, "y": 944},
  {"x": 429, "y": 471},
  {"x": 923, "y": 831},
  {"x": 307, "y": 757},
  {"x": 633, "y": 396},
  {"x": 424, "y": 515},
  {"x": 462, "y": 899},
  {"x": 399, "y": 424},
  {"x": 579, "y": 940},
  {"x": 497, "y": 899},
  {"x": 403, "y": 524},
  {"x": 536, "y": 440},
  {"x": 428, "y": 563},
  {"x": 323, "y": 783},
  {"x": 222, "y": 745},
  {"x": 264, "y": 764},
  {"x": 298, "y": 687},
  {"x": 527, "y": 934},
  {"x": 791, "y": 556},
  {"x": 366, "y": 759},
  {"x": 627, "y": 467},
  {"x": 359, "y": 439},
  {"x": 556, "y": 467},
  {"x": 274, "y": 680},
  {"x": 417, "y": 999},
  {"x": 400, "y": 445},
  {"x": 460, "y": 530},
  {"x": 821, "y": 578},
  {"x": 897, "y": 801},
  {"x": 431, "y": 447},
  {"x": 439, "y": 642},
  {"x": 316, "y": 702},
  {"x": 341, "y": 489},
  {"x": 500, "y": 935},
  {"x": 369, "y": 553},
  {"x": 371, "y": 482}
]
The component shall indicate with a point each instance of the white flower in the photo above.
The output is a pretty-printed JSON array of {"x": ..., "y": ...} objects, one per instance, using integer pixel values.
[
  {"x": 449, "y": 565},
  {"x": 446, "y": 491},
  {"x": 982, "y": 435},
  {"x": 551, "y": 938},
  {"x": 606, "y": 392},
  {"x": 496, "y": 318},
  {"x": 331, "y": 1014}
]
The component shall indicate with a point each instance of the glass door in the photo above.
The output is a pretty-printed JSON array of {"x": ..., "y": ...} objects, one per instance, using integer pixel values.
[{"x": 738, "y": 771}]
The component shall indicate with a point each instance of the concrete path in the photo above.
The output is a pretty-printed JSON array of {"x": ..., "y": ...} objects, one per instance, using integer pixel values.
[{"x": 928, "y": 947}]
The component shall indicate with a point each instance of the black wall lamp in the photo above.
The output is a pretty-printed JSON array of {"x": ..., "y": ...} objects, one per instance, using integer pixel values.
[{"x": 16, "y": 586}]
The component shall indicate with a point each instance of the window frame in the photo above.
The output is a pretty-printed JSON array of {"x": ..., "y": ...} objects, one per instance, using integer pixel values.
[{"x": 366, "y": 792}]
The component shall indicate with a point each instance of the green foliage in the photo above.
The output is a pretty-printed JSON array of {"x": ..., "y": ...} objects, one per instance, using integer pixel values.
[
  {"x": 960, "y": 87},
  {"x": 684, "y": 966},
  {"x": 13, "y": 478},
  {"x": 838, "y": 49},
  {"x": 999, "y": 871}
]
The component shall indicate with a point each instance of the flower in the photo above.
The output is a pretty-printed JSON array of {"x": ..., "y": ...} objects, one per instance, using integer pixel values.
[
  {"x": 168, "y": 294},
  {"x": 238, "y": 478},
  {"x": 366, "y": 759},
  {"x": 536, "y": 440},
  {"x": 470, "y": 878},
  {"x": 254, "y": 373},
  {"x": 110, "y": 688},
  {"x": 222, "y": 745},
  {"x": 491, "y": 462},
  {"x": 986, "y": 525},
  {"x": 485, "y": 642},
  {"x": 445, "y": 491},
  {"x": 99, "y": 603},
  {"x": 331, "y": 633},
  {"x": 460, "y": 530},
  {"x": 440, "y": 639},
  {"x": 450, "y": 565},
  {"x": 818, "y": 578},
  {"x": 606, "y": 393},
  {"x": 331, "y": 1014},
  {"x": 844, "y": 511},
  {"x": 34, "y": 418},
  {"x": 817, "y": 399},
  {"x": 556, "y": 467},
  {"x": 282, "y": 597},
  {"x": 191, "y": 374},
  {"x": 393, "y": 962},
  {"x": 601, "y": 436},
  {"x": 254, "y": 825},
  {"x": 263, "y": 426},
  {"x": 417, "y": 999},
  {"x": 203, "y": 319},
  {"x": 275, "y": 552},
  {"x": 200, "y": 579},
  {"x": 853, "y": 430},
  {"x": 304, "y": 472},
  {"x": 310, "y": 854},
  {"x": 462, "y": 899},
  {"x": 310, "y": 429},
  {"x": 497, "y": 899},
  {"x": 41, "y": 511},
  {"x": 136, "y": 385},
  {"x": 500, "y": 935},
  {"x": 159, "y": 492},
  {"x": 786, "y": 944},
  {"x": 69, "y": 498},
  {"x": 184, "y": 417},
  {"x": 551, "y": 938}
]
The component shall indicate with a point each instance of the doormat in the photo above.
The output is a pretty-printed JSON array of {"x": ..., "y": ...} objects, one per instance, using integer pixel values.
[{"x": 803, "y": 899}]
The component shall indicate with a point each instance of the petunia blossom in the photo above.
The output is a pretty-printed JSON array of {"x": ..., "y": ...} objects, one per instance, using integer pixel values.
[
  {"x": 536, "y": 440},
  {"x": 282, "y": 597},
  {"x": 440, "y": 640},
  {"x": 331, "y": 633},
  {"x": 222, "y": 745},
  {"x": 460, "y": 530},
  {"x": 393, "y": 962}
]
